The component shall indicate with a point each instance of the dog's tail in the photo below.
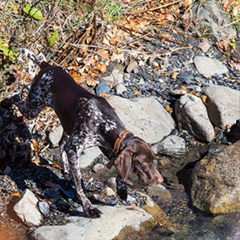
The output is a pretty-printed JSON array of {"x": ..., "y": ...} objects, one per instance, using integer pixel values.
[{"x": 40, "y": 59}]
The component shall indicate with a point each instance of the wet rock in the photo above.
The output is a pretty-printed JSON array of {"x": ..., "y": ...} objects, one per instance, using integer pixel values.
[
  {"x": 145, "y": 117},
  {"x": 216, "y": 181},
  {"x": 192, "y": 113},
  {"x": 208, "y": 66},
  {"x": 107, "y": 227},
  {"x": 211, "y": 16},
  {"x": 223, "y": 105},
  {"x": 172, "y": 146},
  {"x": 161, "y": 192},
  {"x": 27, "y": 210},
  {"x": 159, "y": 215},
  {"x": 102, "y": 88},
  {"x": 55, "y": 135}
]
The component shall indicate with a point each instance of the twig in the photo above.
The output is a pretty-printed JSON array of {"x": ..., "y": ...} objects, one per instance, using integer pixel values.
[
  {"x": 152, "y": 36},
  {"x": 157, "y": 8}
]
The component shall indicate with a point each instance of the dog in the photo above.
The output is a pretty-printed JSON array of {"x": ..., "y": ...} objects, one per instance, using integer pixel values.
[{"x": 88, "y": 120}]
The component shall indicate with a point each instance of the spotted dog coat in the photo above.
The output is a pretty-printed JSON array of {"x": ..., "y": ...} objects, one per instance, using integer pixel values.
[{"x": 88, "y": 120}]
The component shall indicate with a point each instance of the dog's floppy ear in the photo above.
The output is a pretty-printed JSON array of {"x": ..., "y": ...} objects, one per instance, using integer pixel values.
[{"x": 124, "y": 164}]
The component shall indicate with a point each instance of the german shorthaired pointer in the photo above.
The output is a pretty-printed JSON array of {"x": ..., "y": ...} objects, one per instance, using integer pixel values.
[{"x": 88, "y": 120}]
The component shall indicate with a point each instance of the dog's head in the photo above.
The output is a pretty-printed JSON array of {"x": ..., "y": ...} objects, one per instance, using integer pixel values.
[{"x": 137, "y": 156}]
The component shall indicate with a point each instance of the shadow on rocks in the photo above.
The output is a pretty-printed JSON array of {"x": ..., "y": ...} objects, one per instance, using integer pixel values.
[{"x": 14, "y": 139}]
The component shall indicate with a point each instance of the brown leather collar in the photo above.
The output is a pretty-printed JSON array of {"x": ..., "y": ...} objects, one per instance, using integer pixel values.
[{"x": 121, "y": 136}]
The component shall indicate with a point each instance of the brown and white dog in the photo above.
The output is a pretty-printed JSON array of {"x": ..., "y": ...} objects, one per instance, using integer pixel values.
[{"x": 88, "y": 120}]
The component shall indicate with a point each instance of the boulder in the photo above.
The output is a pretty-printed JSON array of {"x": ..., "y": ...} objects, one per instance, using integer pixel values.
[
  {"x": 192, "y": 113},
  {"x": 145, "y": 117},
  {"x": 107, "y": 227},
  {"x": 27, "y": 210},
  {"x": 223, "y": 105},
  {"x": 216, "y": 181}
]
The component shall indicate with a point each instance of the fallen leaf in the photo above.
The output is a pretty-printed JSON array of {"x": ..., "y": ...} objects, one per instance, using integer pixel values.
[
  {"x": 101, "y": 67},
  {"x": 187, "y": 3},
  {"x": 15, "y": 10},
  {"x": 204, "y": 98},
  {"x": 174, "y": 75},
  {"x": 168, "y": 108}
]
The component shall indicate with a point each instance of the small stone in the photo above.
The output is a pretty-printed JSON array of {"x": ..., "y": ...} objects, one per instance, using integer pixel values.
[
  {"x": 99, "y": 168},
  {"x": 55, "y": 135},
  {"x": 120, "y": 88},
  {"x": 204, "y": 45},
  {"x": 111, "y": 182},
  {"x": 109, "y": 192},
  {"x": 178, "y": 92},
  {"x": 102, "y": 88},
  {"x": 7, "y": 170},
  {"x": 209, "y": 67},
  {"x": 44, "y": 208},
  {"x": 131, "y": 199}
]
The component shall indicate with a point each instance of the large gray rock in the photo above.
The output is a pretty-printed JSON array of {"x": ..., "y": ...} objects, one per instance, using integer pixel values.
[
  {"x": 145, "y": 117},
  {"x": 27, "y": 210},
  {"x": 216, "y": 181},
  {"x": 209, "y": 15},
  {"x": 112, "y": 221},
  {"x": 209, "y": 66},
  {"x": 192, "y": 113},
  {"x": 223, "y": 105}
]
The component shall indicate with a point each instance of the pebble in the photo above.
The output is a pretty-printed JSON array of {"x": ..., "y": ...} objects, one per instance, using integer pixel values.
[
  {"x": 102, "y": 88},
  {"x": 178, "y": 92},
  {"x": 131, "y": 199},
  {"x": 111, "y": 182},
  {"x": 120, "y": 88},
  {"x": 109, "y": 192},
  {"x": 44, "y": 208},
  {"x": 98, "y": 168}
]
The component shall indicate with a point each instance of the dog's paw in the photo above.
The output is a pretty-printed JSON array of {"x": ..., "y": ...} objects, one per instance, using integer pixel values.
[
  {"x": 93, "y": 212},
  {"x": 122, "y": 193}
]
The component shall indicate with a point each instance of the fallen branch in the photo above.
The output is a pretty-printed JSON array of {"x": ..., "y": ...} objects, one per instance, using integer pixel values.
[{"x": 152, "y": 36}]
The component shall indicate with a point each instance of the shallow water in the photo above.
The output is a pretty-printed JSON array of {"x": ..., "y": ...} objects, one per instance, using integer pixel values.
[{"x": 194, "y": 224}]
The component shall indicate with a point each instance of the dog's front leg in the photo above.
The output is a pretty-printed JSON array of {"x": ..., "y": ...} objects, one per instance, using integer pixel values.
[{"x": 72, "y": 152}]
